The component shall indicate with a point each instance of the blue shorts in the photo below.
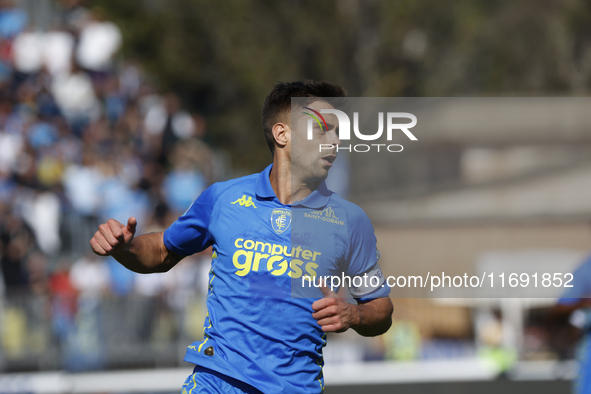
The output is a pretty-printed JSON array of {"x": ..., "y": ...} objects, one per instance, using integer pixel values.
[{"x": 206, "y": 381}]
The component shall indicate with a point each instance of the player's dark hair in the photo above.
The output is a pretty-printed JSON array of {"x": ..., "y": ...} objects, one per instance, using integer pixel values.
[{"x": 278, "y": 102}]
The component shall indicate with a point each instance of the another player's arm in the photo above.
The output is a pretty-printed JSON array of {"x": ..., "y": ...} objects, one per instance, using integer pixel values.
[
  {"x": 143, "y": 254},
  {"x": 369, "y": 319},
  {"x": 565, "y": 309},
  {"x": 578, "y": 295}
]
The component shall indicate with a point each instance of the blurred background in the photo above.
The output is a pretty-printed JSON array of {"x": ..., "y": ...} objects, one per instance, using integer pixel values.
[{"x": 110, "y": 109}]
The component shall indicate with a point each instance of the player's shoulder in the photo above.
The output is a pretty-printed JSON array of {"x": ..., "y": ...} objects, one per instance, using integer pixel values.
[
  {"x": 353, "y": 211},
  {"x": 245, "y": 184}
]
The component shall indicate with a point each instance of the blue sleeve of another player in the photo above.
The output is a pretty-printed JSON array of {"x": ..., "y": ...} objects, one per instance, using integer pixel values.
[
  {"x": 190, "y": 233},
  {"x": 581, "y": 285},
  {"x": 363, "y": 260}
]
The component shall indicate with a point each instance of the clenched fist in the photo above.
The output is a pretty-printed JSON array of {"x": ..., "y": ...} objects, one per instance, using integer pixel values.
[
  {"x": 332, "y": 313},
  {"x": 113, "y": 236}
]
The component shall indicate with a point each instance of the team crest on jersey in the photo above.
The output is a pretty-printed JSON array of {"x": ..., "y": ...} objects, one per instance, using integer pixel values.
[{"x": 280, "y": 220}]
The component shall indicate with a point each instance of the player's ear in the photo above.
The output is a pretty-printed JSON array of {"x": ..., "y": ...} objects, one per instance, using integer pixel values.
[{"x": 281, "y": 133}]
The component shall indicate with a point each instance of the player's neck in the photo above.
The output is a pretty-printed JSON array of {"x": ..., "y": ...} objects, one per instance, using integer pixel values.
[{"x": 287, "y": 188}]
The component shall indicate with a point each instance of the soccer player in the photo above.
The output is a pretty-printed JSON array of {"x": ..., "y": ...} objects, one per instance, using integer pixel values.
[
  {"x": 578, "y": 298},
  {"x": 263, "y": 333}
]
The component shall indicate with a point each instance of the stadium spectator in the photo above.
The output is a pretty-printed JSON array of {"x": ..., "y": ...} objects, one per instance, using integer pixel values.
[
  {"x": 12, "y": 20},
  {"x": 16, "y": 238},
  {"x": 99, "y": 41},
  {"x": 28, "y": 52},
  {"x": 182, "y": 182},
  {"x": 58, "y": 51},
  {"x": 90, "y": 276},
  {"x": 42, "y": 213},
  {"x": 76, "y": 97}
]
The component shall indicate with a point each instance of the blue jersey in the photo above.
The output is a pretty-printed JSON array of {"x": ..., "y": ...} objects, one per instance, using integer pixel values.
[
  {"x": 259, "y": 328},
  {"x": 581, "y": 288}
]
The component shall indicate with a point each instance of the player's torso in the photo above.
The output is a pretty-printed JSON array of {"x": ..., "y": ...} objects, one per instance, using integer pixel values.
[
  {"x": 261, "y": 251},
  {"x": 261, "y": 246}
]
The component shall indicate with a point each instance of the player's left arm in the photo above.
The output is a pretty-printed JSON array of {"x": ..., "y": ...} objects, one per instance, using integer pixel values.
[
  {"x": 369, "y": 319},
  {"x": 373, "y": 313}
]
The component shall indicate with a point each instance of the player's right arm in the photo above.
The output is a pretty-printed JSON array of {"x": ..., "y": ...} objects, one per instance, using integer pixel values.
[{"x": 143, "y": 254}]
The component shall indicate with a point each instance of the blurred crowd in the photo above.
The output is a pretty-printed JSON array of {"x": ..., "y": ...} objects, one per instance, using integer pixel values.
[{"x": 84, "y": 137}]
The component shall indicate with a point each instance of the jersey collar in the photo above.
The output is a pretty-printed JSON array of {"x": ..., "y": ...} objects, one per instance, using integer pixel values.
[
  {"x": 263, "y": 188},
  {"x": 315, "y": 200}
]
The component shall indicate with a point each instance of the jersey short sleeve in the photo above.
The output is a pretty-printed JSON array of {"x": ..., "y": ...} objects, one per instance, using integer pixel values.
[
  {"x": 190, "y": 233},
  {"x": 362, "y": 245},
  {"x": 363, "y": 260}
]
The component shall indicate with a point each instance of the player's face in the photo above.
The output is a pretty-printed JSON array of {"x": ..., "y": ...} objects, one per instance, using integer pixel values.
[{"x": 310, "y": 163}]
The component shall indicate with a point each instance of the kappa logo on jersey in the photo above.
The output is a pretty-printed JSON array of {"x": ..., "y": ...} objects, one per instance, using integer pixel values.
[
  {"x": 245, "y": 202},
  {"x": 280, "y": 220}
]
